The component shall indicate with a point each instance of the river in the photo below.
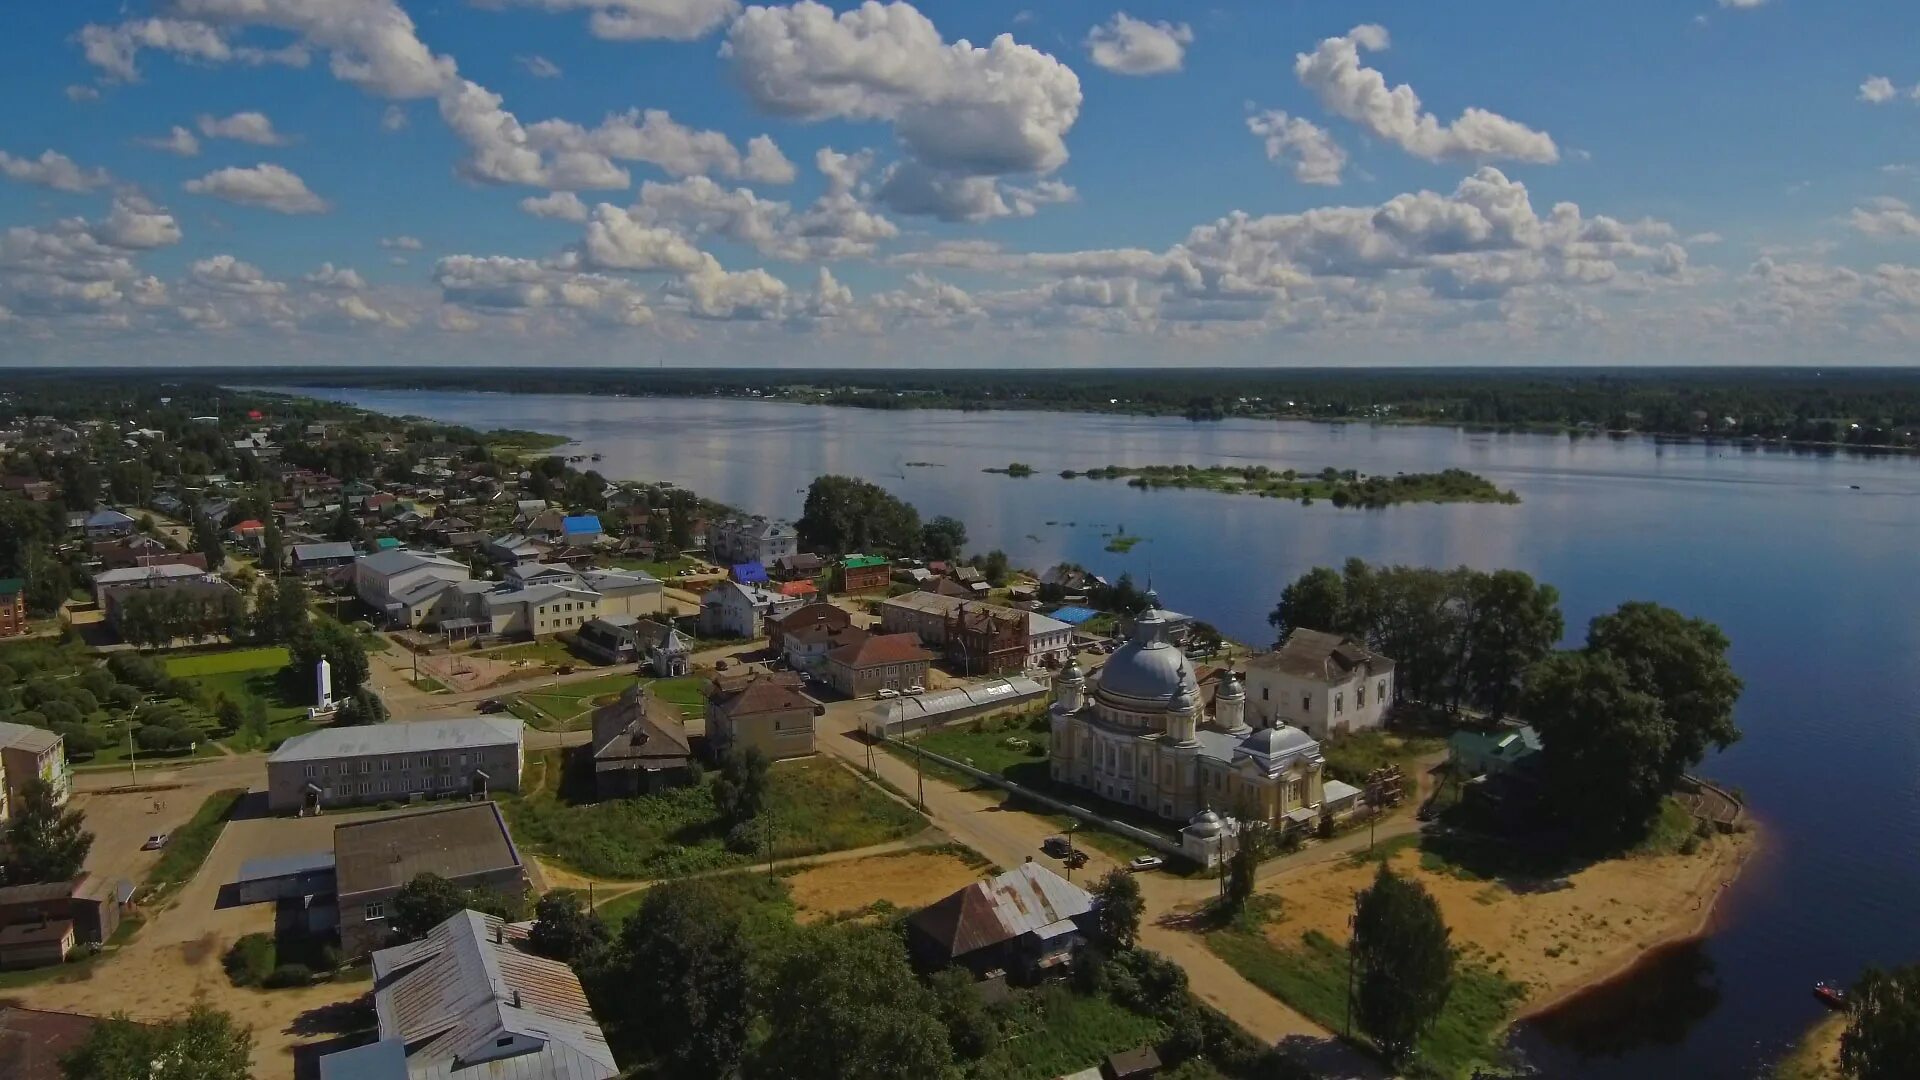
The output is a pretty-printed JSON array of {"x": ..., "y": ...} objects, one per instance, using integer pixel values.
[{"x": 1806, "y": 559}]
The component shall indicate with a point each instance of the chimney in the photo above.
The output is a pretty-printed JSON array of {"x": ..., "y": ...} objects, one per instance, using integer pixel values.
[
  {"x": 516, "y": 997},
  {"x": 500, "y": 936}
]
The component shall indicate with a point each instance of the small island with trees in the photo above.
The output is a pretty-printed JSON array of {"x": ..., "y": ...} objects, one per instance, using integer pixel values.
[{"x": 1341, "y": 487}]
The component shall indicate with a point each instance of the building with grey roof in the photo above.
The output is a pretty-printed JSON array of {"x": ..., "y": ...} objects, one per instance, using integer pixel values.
[
  {"x": 1137, "y": 732},
  {"x": 468, "y": 845},
  {"x": 1325, "y": 683},
  {"x": 408, "y": 761},
  {"x": 28, "y": 754},
  {"x": 470, "y": 1001}
]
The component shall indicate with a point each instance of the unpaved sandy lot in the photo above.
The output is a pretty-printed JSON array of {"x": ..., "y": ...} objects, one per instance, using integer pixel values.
[
  {"x": 175, "y": 958},
  {"x": 908, "y": 880},
  {"x": 1554, "y": 940}
]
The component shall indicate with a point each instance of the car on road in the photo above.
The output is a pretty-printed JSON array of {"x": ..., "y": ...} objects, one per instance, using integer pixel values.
[
  {"x": 913, "y": 690},
  {"x": 156, "y": 842},
  {"x": 1146, "y": 862},
  {"x": 886, "y": 692},
  {"x": 1056, "y": 846},
  {"x": 493, "y": 705}
]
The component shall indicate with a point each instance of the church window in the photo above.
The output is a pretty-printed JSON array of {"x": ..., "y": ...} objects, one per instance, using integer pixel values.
[
  {"x": 1339, "y": 703},
  {"x": 1306, "y": 702},
  {"x": 1360, "y": 696}
]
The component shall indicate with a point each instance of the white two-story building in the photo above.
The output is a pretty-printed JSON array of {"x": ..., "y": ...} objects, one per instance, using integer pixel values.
[{"x": 1322, "y": 683}]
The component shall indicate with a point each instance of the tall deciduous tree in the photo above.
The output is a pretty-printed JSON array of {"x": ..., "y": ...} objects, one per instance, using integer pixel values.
[
  {"x": 1882, "y": 1040},
  {"x": 205, "y": 1044},
  {"x": 1403, "y": 962},
  {"x": 1119, "y": 908},
  {"x": 843, "y": 515},
  {"x": 1604, "y": 745},
  {"x": 1514, "y": 623},
  {"x": 860, "y": 1013},
  {"x": 42, "y": 841},
  {"x": 684, "y": 980},
  {"x": 1316, "y": 600},
  {"x": 564, "y": 929},
  {"x": 943, "y": 538},
  {"x": 1682, "y": 662}
]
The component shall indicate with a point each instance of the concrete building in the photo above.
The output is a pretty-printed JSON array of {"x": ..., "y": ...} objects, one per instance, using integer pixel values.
[
  {"x": 152, "y": 576},
  {"x": 373, "y": 860},
  {"x": 395, "y": 762},
  {"x": 766, "y": 712},
  {"x": 639, "y": 745},
  {"x": 1133, "y": 734},
  {"x": 471, "y": 1001},
  {"x": 323, "y": 556},
  {"x": 1322, "y": 683},
  {"x": 816, "y": 613},
  {"x": 29, "y": 753},
  {"x": 731, "y": 609},
  {"x": 805, "y": 649},
  {"x": 408, "y": 589},
  {"x": 876, "y": 662},
  {"x": 750, "y": 539}
]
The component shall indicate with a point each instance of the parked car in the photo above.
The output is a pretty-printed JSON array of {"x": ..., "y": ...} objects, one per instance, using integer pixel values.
[
  {"x": 1146, "y": 862},
  {"x": 156, "y": 842},
  {"x": 916, "y": 690},
  {"x": 563, "y": 669},
  {"x": 493, "y": 705},
  {"x": 887, "y": 692},
  {"x": 1056, "y": 846}
]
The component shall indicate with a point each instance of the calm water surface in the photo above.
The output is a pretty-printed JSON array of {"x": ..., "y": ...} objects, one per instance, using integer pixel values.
[{"x": 1808, "y": 561}]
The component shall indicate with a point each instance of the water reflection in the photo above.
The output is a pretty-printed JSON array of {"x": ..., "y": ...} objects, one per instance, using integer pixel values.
[{"x": 1657, "y": 1003}]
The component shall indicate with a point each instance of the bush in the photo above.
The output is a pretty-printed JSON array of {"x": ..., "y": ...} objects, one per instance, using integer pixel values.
[
  {"x": 82, "y": 741},
  {"x": 62, "y": 714},
  {"x": 288, "y": 975},
  {"x": 158, "y": 738},
  {"x": 250, "y": 962}
]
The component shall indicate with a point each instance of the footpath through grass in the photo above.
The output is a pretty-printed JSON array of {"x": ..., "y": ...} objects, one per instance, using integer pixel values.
[
  {"x": 190, "y": 844},
  {"x": 1312, "y": 978},
  {"x": 814, "y": 805}
]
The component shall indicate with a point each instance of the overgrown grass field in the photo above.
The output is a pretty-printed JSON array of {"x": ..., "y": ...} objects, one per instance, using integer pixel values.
[
  {"x": 815, "y": 806},
  {"x": 189, "y": 846}
]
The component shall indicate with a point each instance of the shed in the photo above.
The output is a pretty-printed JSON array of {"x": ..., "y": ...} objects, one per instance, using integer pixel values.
[{"x": 272, "y": 878}]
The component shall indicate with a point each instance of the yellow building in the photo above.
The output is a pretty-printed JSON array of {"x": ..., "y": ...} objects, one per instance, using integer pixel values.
[{"x": 1135, "y": 733}]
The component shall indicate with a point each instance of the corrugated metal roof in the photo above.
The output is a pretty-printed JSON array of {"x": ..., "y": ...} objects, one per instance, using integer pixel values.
[
  {"x": 452, "y": 995},
  {"x": 917, "y": 709},
  {"x": 31, "y": 740},
  {"x": 1029, "y": 899},
  {"x": 401, "y": 737}
]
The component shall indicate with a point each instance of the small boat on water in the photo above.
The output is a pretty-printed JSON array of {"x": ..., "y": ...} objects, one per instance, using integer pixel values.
[{"x": 1833, "y": 996}]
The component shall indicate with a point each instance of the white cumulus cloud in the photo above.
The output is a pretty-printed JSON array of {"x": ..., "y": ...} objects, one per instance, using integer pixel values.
[
  {"x": 1301, "y": 144},
  {"x": 246, "y": 127},
  {"x": 634, "y": 20},
  {"x": 564, "y": 205},
  {"x": 178, "y": 141},
  {"x": 52, "y": 169},
  {"x": 1348, "y": 88},
  {"x": 267, "y": 186},
  {"x": 1129, "y": 46}
]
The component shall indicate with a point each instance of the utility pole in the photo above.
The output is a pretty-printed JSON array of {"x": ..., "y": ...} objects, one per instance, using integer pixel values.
[
  {"x": 1353, "y": 925},
  {"x": 133, "y": 761}
]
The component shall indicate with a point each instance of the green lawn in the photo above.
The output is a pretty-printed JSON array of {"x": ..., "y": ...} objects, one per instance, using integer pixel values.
[
  {"x": 569, "y": 706},
  {"x": 1351, "y": 757},
  {"x": 271, "y": 657},
  {"x": 539, "y": 656},
  {"x": 190, "y": 844},
  {"x": 665, "y": 571},
  {"x": 1312, "y": 977},
  {"x": 815, "y": 806}
]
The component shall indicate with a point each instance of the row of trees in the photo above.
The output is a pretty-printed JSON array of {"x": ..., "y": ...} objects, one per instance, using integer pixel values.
[
  {"x": 156, "y": 618},
  {"x": 1456, "y": 636},
  {"x": 843, "y": 515}
]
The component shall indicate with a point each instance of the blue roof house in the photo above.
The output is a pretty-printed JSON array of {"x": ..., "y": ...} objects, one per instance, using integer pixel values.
[
  {"x": 581, "y": 528},
  {"x": 749, "y": 573}
]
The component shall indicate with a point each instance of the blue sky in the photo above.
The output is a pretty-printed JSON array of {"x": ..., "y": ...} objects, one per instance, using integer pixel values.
[{"x": 691, "y": 182}]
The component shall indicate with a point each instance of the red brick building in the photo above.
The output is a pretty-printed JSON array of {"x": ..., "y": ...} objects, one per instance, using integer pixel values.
[
  {"x": 986, "y": 641},
  {"x": 13, "y": 607},
  {"x": 860, "y": 573}
]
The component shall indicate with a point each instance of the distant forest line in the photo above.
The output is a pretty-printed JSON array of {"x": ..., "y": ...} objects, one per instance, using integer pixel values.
[{"x": 1860, "y": 407}]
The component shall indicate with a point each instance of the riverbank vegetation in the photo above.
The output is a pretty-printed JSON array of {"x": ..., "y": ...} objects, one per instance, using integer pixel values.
[
  {"x": 1861, "y": 407},
  {"x": 1339, "y": 487}
]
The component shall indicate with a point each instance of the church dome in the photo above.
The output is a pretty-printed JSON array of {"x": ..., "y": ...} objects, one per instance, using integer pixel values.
[
  {"x": 1204, "y": 824},
  {"x": 1071, "y": 673},
  {"x": 1277, "y": 742},
  {"x": 1230, "y": 687},
  {"x": 1148, "y": 667}
]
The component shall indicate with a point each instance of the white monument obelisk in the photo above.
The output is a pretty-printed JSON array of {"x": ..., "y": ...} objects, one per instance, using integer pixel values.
[{"x": 323, "y": 679}]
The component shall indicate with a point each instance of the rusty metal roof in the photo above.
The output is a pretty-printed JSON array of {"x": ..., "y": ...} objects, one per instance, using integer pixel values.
[
  {"x": 455, "y": 995},
  {"x": 1028, "y": 899}
]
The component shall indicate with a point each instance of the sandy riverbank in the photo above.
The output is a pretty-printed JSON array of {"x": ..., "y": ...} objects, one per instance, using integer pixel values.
[
  {"x": 1554, "y": 937},
  {"x": 1817, "y": 1055}
]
